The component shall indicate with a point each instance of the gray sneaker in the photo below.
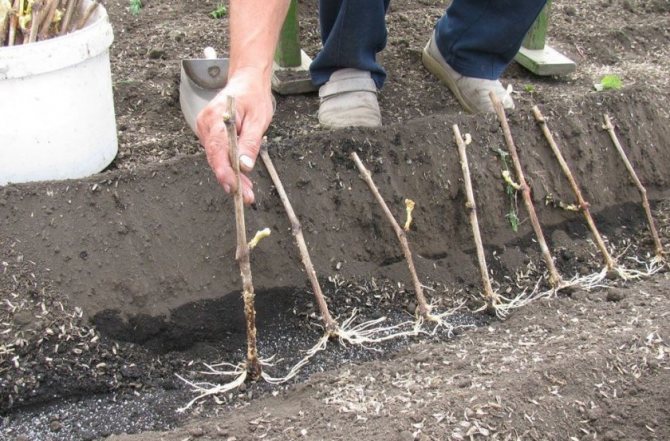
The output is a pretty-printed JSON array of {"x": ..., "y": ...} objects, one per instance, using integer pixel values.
[
  {"x": 472, "y": 93},
  {"x": 349, "y": 99}
]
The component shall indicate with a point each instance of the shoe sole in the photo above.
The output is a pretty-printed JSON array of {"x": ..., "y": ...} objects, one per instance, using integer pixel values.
[{"x": 436, "y": 69}]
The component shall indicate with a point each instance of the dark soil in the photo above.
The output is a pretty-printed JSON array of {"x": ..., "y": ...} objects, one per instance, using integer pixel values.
[
  {"x": 111, "y": 285},
  {"x": 548, "y": 373}
]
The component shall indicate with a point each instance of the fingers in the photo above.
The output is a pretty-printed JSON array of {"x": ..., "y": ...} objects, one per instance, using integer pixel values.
[
  {"x": 254, "y": 113},
  {"x": 225, "y": 175},
  {"x": 252, "y": 130},
  {"x": 216, "y": 149},
  {"x": 252, "y": 127},
  {"x": 247, "y": 190}
]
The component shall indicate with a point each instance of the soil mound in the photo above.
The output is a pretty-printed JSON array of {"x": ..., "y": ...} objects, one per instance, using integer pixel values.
[{"x": 149, "y": 251}]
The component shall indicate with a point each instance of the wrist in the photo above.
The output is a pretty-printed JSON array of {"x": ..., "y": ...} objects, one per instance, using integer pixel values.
[{"x": 256, "y": 75}]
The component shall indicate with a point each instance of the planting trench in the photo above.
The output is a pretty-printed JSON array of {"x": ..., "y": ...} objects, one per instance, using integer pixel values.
[
  {"x": 147, "y": 255},
  {"x": 134, "y": 250}
]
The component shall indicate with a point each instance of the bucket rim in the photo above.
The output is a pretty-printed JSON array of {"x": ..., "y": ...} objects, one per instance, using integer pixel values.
[{"x": 58, "y": 52}]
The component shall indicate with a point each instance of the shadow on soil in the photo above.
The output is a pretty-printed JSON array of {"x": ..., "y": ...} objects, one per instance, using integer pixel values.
[{"x": 208, "y": 321}]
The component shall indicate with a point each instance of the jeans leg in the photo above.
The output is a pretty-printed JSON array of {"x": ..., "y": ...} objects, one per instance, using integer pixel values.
[
  {"x": 352, "y": 32},
  {"x": 479, "y": 38}
]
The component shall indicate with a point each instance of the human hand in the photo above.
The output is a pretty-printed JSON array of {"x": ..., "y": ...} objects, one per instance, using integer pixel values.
[{"x": 253, "y": 108}]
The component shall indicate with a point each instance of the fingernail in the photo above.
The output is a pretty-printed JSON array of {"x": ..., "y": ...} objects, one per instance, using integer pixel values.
[
  {"x": 226, "y": 188},
  {"x": 249, "y": 195},
  {"x": 246, "y": 162}
]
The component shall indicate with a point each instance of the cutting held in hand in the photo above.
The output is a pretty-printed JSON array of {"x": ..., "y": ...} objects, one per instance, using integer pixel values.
[{"x": 242, "y": 252}]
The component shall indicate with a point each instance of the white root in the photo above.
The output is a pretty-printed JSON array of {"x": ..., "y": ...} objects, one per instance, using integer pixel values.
[
  {"x": 372, "y": 332},
  {"x": 524, "y": 298},
  {"x": 205, "y": 390},
  {"x": 439, "y": 321},
  {"x": 362, "y": 334},
  {"x": 359, "y": 334}
]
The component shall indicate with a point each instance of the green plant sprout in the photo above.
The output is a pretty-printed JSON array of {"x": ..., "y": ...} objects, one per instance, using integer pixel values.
[
  {"x": 609, "y": 82},
  {"x": 219, "y": 12},
  {"x": 135, "y": 6},
  {"x": 511, "y": 189},
  {"x": 529, "y": 88}
]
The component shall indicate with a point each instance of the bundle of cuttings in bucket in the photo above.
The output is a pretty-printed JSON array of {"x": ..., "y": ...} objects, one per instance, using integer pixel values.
[{"x": 28, "y": 21}]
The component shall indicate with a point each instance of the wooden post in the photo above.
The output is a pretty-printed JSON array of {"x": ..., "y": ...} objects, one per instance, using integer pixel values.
[
  {"x": 536, "y": 56},
  {"x": 290, "y": 74},
  {"x": 288, "y": 48},
  {"x": 537, "y": 34}
]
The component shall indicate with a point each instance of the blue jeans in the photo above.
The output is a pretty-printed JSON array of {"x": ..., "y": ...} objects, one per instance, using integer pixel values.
[{"x": 477, "y": 38}]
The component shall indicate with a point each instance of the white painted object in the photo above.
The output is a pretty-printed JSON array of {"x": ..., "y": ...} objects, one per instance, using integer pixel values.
[{"x": 56, "y": 107}]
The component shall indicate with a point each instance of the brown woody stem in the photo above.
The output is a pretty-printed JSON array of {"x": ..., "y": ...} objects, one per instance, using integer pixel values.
[
  {"x": 87, "y": 14},
  {"x": 658, "y": 246},
  {"x": 296, "y": 228},
  {"x": 423, "y": 307},
  {"x": 583, "y": 205},
  {"x": 13, "y": 23},
  {"x": 554, "y": 276},
  {"x": 242, "y": 252},
  {"x": 69, "y": 12},
  {"x": 37, "y": 8},
  {"x": 4, "y": 27},
  {"x": 491, "y": 297},
  {"x": 47, "y": 19}
]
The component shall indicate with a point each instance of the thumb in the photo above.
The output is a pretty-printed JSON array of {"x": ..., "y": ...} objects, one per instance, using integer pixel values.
[{"x": 249, "y": 144}]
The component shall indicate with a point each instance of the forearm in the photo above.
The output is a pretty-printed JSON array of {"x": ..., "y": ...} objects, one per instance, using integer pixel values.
[{"x": 254, "y": 32}]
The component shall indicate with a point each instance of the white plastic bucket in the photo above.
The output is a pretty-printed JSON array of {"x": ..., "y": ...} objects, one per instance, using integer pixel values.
[{"x": 56, "y": 106}]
